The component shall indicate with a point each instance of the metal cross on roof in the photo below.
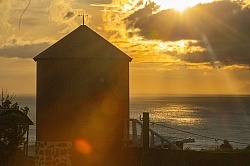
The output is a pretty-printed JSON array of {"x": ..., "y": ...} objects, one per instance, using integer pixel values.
[{"x": 83, "y": 17}]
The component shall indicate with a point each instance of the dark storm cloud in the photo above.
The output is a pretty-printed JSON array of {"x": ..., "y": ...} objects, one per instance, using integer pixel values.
[
  {"x": 69, "y": 15},
  {"x": 23, "y": 51},
  {"x": 222, "y": 27},
  {"x": 141, "y": 14}
]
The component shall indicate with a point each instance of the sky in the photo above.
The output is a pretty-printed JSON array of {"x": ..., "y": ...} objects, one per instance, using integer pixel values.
[{"x": 178, "y": 47}]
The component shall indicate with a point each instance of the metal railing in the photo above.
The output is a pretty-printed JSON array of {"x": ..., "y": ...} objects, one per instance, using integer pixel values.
[{"x": 137, "y": 137}]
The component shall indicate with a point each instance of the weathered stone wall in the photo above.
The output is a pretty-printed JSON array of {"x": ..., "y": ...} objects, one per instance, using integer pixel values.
[
  {"x": 157, "y": 157},
  {"x": 53, "y": 153}
]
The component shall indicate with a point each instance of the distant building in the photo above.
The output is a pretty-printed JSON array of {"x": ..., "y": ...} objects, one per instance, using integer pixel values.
[{"x": 82, "y": 98}]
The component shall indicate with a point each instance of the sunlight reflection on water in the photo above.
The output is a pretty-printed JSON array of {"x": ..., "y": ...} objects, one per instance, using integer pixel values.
[
  {"x": 216, "y": 117},
  {"x": 173, "y": 114}
]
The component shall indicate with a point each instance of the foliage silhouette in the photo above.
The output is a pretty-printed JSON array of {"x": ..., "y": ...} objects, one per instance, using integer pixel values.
[{"x": 12, "y": 128}]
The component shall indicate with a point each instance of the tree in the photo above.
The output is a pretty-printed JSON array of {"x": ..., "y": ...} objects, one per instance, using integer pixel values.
[
  {"x": 8, "y": 101},
  {"x": 12, "y": 130}
]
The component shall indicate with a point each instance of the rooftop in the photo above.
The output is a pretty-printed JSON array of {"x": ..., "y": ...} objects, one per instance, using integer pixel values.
[{"x": 83, "y": 42}]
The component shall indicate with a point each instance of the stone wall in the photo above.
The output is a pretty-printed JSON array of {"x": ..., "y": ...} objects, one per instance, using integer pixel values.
[{"x": 53, "y": 153}]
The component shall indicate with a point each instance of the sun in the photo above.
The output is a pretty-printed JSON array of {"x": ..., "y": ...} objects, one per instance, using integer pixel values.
[{"x": 179, "y": 5}]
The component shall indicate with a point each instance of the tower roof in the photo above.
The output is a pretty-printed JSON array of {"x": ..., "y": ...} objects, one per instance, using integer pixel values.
[{"x": 82, "y": 43}]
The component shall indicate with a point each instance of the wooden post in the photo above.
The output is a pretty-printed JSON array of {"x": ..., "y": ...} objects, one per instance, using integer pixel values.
[
  {"x": 152, "y": 142},
  {"x": 27, "y": 141},
  {"x": 145, "y": 150},
  {"x": 134, "y": 131}
]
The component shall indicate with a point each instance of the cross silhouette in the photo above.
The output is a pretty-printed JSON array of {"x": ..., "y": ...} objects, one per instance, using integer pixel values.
[{"x": 83, "y": 17}]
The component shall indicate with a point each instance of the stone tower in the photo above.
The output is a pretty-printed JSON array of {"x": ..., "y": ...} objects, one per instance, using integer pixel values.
[{"x": 82, "y": 99}]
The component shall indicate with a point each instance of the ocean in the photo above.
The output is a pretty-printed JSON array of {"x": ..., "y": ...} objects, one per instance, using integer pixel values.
[{"x": 208, "y": 119}]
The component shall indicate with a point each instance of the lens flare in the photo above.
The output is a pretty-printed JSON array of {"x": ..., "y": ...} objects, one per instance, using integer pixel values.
[{"x": 83, "y": 146}]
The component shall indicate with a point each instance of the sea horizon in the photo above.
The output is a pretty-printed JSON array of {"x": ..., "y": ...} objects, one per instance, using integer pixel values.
[
  {"x": 191, "y": 94},
  {"x": 223, "y": 116}
]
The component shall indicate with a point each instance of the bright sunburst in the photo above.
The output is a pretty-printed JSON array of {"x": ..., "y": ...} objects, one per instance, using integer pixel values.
[{"x": 179, "y": 5}]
